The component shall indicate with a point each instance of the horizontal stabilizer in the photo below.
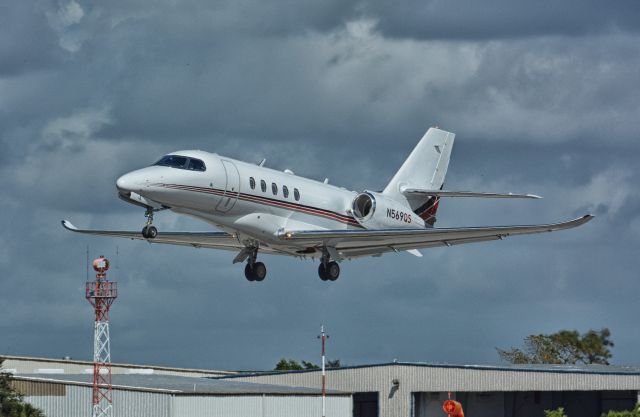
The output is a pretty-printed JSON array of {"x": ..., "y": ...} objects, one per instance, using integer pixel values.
[{"x": 446, "y": 193}]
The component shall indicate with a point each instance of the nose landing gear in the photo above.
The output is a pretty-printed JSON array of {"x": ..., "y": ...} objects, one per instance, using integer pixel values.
[{"x": 149, "y": 231}]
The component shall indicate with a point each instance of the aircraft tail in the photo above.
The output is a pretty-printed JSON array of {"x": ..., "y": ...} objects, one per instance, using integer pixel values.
[{"x": 425, "y": 168}]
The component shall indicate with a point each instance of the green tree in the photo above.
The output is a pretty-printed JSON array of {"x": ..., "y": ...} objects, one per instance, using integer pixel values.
[
  {"x": 288, "y": 365},
  {"x": 334, "y": 364},
  {"x": 563, "y": 347},
  {"x": 558, "y": 412},
  {"x": 309, "y": 365},
  {"x": 632, "y": 413},
  {"x": 11, "y": 402},
  {"x": 293, "y": 365}
]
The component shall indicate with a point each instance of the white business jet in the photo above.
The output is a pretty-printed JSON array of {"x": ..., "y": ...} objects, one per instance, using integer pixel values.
[{"x": 263, "y": 210}]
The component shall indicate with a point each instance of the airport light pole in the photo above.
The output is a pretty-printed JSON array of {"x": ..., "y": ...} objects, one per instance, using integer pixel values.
[
  {"x": 101, "y": 293},
  {"x": 323, "y": 336}
]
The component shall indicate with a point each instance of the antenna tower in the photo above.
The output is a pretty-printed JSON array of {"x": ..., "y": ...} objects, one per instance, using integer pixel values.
[{"x": 101, "y": 293}]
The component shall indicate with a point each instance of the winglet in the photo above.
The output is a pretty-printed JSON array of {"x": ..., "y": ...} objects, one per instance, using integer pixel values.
[
  {"x": 67, "y": 225},
  {"x": 578, "y": 222},
  {"x": 588, "y": 217}
]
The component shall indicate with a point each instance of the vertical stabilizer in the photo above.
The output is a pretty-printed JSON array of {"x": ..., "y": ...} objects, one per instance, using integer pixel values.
[{"x": 425, "y": 169}]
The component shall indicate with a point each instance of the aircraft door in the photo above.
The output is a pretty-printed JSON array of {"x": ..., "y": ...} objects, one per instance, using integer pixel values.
[{"x": 232, "y": 188}]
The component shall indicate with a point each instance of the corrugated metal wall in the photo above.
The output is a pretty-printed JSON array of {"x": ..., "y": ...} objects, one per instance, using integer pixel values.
[
  {"x": 260, "y": 406},
  {"x": 58, "y": 400},
  {"x": 196, "y": 406},
  {"x": 396, "y": 402},
  {"x": 307, "y": 406},
  {"x": 77, "y": 403}
]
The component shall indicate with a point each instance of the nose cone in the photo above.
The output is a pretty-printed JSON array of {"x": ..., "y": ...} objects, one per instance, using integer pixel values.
[{"x": 128, "y": 182}]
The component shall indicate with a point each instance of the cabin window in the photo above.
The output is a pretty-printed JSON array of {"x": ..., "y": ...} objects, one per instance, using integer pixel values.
[
  {"x": 296, "y": 194},
  {"x": 285, "y": 191},
  {"x": 263, "y": 186},
  {"x": 274, "y": 188},
  {"x": 252, "y": 183}
]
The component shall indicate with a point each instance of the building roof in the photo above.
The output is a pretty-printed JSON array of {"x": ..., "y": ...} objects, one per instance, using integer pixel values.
[
  {"x": 545, "y": 368},
  {"x": 114, "y": 365},
  {"x": 433, "y": 377},
  {"x": 178, "y": 385}
]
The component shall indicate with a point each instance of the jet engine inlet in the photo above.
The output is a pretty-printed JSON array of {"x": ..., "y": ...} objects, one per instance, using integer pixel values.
[{"x": 364, "y": 205}]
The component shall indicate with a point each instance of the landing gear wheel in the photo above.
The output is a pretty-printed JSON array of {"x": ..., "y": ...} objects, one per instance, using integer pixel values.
[
  {"x": 152, "y": 232},
  {"x": 149, "y": 232},
  {"x": 255, "y": 272},
  {"x": 248, "y": 273},
  {"x": 322, "y": 272},
  {"x": 259, "y": 271},
  {"x": 333, "y": 271}
]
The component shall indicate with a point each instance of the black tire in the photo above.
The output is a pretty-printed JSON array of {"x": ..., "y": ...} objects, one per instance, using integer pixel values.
[
  {"x": 152, "y": 232},
  {"x": 248, "y": 273},
  {"x": 322, "y": 272},
  {"x": 259, "y": 271},
  {"x": 145, "y": 233},
  {"x": 333, "y": 271}
]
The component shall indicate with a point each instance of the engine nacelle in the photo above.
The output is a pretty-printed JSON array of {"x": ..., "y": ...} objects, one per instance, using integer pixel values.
[{"x": 377, "y": 211}]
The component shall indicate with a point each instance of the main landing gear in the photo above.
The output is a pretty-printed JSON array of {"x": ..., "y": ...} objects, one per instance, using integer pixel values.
[
  {"x": 328, "y": 270},
  {"x": 149, "y": 231},
  {"x": 255, "y": 271}
]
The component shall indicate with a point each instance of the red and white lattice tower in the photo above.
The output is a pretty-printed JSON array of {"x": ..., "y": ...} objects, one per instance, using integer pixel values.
[{"x": 101, "y": 293}]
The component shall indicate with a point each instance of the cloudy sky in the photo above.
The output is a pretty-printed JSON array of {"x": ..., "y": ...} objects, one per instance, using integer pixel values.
[{"x": 544, "y": 98}]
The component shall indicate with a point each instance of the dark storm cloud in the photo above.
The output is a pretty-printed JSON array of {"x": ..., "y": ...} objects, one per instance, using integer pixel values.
[
  {"x": 27, "y": 43},
  {"x": 543, "y": 98},
  {"x": 468, "y": 19}
]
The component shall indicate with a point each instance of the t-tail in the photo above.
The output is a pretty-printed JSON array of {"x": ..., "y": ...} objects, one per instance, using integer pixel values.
[
  {"x": 420, "y": 179},
  {"x": 425, "y": 169}
]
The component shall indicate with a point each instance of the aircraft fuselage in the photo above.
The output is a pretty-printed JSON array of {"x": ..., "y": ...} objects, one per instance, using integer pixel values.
[{"x": 248, "y": 200}]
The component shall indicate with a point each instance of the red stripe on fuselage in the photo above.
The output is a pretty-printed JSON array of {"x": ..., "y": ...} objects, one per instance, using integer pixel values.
[{"x": 267, "y": 201}]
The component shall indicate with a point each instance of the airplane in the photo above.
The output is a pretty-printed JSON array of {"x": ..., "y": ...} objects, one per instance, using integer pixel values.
[{"x": 259, "y": 209}]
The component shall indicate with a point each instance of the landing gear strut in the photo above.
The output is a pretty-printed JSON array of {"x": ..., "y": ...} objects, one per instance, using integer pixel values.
[
  {"x": 254, "y": 271},
  {"x": 149, "y": 231},
  {"x": 328, "y": 270}
]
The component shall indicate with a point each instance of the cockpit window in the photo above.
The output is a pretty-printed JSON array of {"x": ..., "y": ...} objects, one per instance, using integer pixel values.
[
  {"x": 181, "y": 162},
  {"x": 173, "y": 161},
  {"x": 196, "y": 165}
]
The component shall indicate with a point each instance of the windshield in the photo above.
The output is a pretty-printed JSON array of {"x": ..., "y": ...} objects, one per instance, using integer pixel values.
[{"x": 181, "y": 162}]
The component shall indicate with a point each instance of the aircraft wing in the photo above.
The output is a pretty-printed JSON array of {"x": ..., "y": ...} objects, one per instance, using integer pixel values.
[
  {"x": 354, "y": 243},
  {"x": 214, "y": 240}
]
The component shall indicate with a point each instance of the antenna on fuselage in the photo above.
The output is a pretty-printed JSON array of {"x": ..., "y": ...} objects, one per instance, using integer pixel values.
[{"x": 261, "y": 163}]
